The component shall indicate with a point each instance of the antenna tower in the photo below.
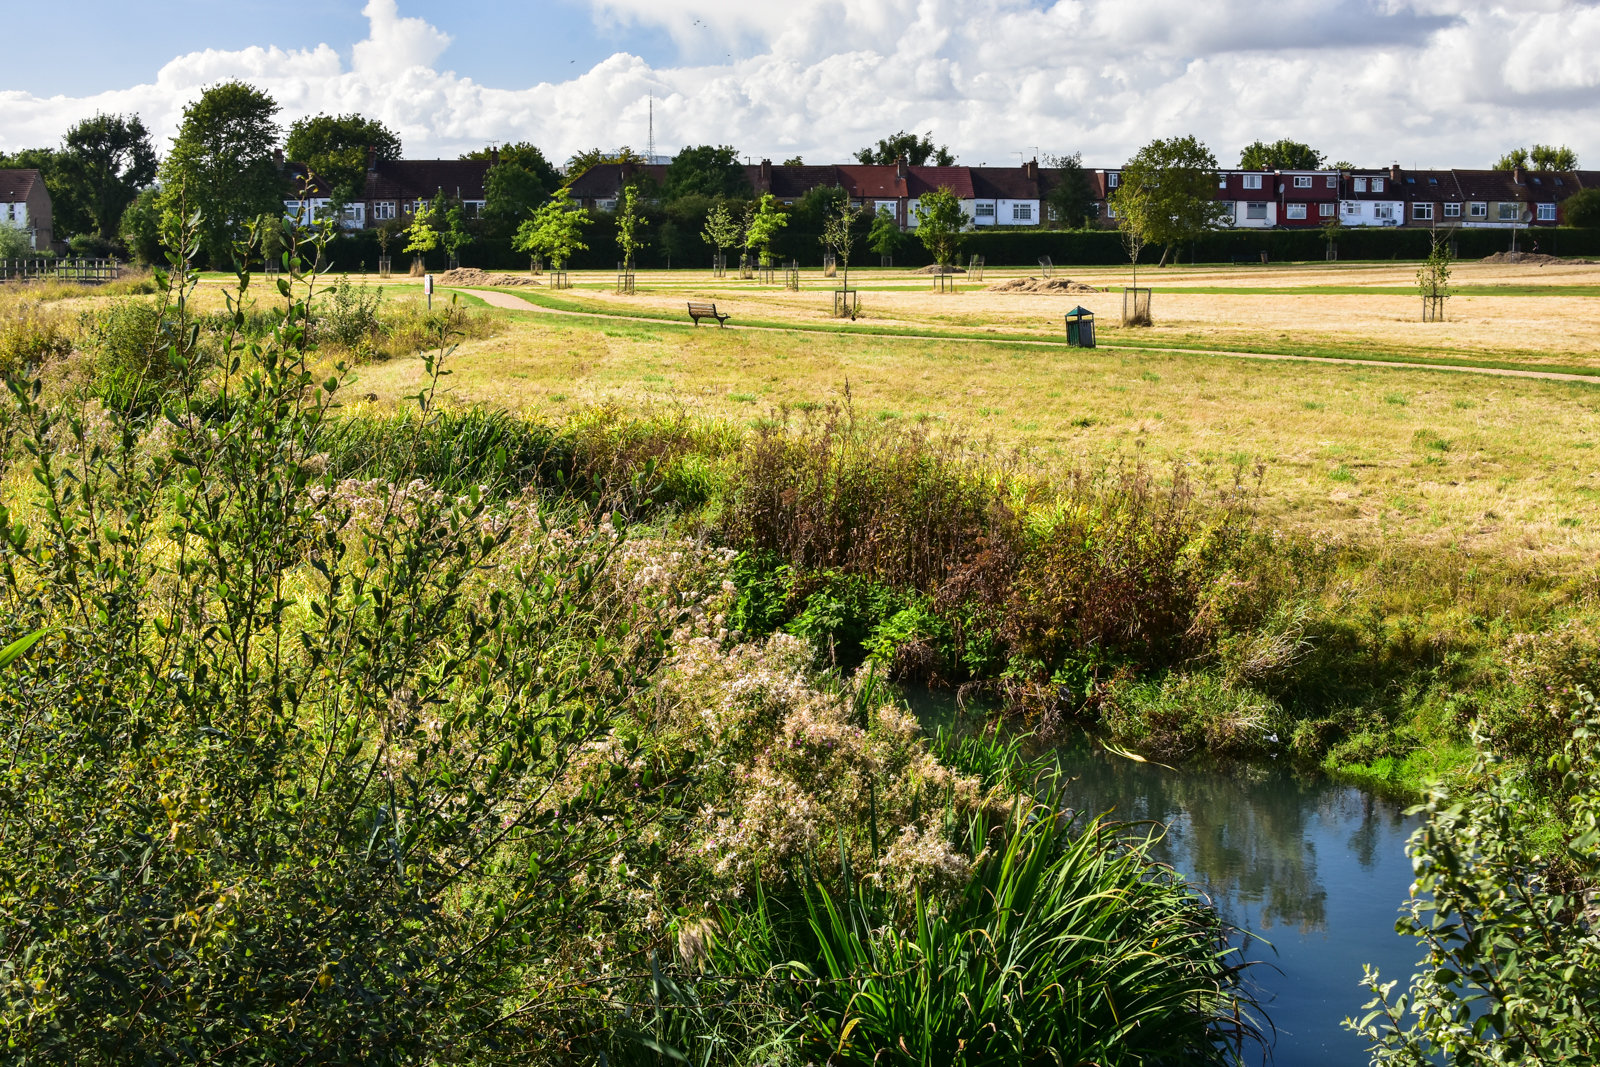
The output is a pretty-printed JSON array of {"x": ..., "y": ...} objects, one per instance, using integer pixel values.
[{"x": 650, "y": 145}]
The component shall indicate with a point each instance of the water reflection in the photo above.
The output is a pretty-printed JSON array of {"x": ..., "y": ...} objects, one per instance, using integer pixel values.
[{"x": 1315, "y": 868}]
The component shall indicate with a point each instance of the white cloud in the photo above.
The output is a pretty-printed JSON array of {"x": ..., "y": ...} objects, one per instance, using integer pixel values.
[{"x": 1441, "y": 82}]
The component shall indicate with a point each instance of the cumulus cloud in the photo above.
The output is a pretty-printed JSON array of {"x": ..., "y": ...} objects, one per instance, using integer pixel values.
[{"x": 1441, "y": 82}]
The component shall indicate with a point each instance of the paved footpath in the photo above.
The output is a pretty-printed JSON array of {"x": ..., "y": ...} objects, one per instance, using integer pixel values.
[{"x": 502, "y": 299}]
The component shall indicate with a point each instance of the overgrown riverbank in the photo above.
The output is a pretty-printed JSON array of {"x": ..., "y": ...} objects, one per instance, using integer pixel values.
[{"x": 460, "y": 735}]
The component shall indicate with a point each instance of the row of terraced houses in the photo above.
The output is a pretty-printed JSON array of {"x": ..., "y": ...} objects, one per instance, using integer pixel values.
[{"x": 1018, "y": 196}]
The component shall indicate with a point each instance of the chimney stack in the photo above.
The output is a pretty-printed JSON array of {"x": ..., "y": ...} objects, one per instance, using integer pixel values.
[
  {"x": 1030, "y": 170},
  {"x": 372, "y": 159},
  {"x": 766, "y": 176},
  {"x": 494, "y": 156},
  {"x": 1516, "y": 176},
  {"x": 277, "y": 158},
  {"x": 900, "y": 167},
  {"x": 1394, "y": 172}
]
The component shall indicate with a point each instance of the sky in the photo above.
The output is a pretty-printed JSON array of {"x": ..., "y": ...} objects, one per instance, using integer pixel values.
[{"x": 1430, "y": 83}]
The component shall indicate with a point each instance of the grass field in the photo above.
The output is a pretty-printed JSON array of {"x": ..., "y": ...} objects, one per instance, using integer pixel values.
[{"x": 1481, "y": 464}]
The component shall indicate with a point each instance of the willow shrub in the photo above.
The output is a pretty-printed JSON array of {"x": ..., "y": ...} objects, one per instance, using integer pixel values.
[
  {"x": 285, "y": 782},
  {"x": 1511, "y": 965}
]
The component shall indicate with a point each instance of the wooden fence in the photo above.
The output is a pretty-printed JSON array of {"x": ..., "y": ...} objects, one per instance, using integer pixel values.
[{"x": 61, "y": 270}]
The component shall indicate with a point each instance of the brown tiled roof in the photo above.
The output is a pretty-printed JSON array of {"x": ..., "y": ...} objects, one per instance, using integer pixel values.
[
  {"x": 1428, "y": 185},
  {"x": 791, "y": 183},
  {"x": 1495, "y": 185},
  {"x": 419, "y": 179},
  {"x": 1004, "y": 183},
  {"x": 603, "y": 181},
  {"x": 16, "y": 185}
]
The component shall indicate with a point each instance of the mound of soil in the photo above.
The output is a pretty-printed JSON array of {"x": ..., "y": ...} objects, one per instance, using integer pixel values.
[
  {"x": 1041, "y": 285},
  {"x": 1531, "y": 259},
  {"x": 474, "y": 276},
  {"x": 934, "y": 268}
]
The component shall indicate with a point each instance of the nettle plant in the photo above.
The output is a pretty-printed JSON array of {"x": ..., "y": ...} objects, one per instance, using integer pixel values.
[{"x": 291, "y": 777}]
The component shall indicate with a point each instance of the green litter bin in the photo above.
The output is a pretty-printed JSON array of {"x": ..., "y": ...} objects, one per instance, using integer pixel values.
[{"x": 1080, "y": 328}]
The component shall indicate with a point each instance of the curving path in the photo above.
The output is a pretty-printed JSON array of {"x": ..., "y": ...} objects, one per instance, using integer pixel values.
[{"x": 502, "y": 299}]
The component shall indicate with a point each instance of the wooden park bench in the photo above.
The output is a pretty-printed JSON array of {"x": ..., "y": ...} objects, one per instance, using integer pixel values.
[{"x": 705, "y": 311}]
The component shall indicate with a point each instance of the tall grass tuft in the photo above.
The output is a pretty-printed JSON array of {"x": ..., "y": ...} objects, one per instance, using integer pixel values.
[{"x": 1066, "y": 947}]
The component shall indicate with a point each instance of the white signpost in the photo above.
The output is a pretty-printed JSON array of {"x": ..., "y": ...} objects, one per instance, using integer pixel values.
[{"x": 427, "y": 288}]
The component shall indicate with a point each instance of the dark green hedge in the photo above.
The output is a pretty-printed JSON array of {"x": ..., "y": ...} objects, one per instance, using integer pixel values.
[{"x": 1016, "y": 248}]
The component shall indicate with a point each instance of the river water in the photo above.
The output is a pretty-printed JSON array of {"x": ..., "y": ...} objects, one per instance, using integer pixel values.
[{"x": 1311, "y": 872}]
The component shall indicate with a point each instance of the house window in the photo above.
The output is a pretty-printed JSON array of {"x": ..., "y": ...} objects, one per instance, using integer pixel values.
[
  {"x": 1558, "y": 181},
  {"x": 1383, "y": 211},
  {"x": 605, "y": 205},
  {"x": 1422, "y": 211},
  {"x": 1325, "y": 210},
  {"x": 985, "y": 210},
  {"x": 1479, "y": 211},
  {"x": 1377, "y": 185},
  {"x": 1111, "y": 210},
  {"x": 1547, "y": 213},
  {"x": 1333, "y": 181},
  {"x": 1222, "y": 181},
  {"x": 1255, "y": 211},
  {"x": 1433, "y": 181},
  {"x": 1021, "y": 212},
  {"x": 1452, "y": 211},
  {"x": 1352, "y": 209},
  {"x": 1297, "y": 211},
  {"x": 1252, "y": 181},
  {"x": 383, "y": 209},
  {"x": 1360, "y": 184},
  {"x": 1509, "y": 211},
  {"x": 1537, "y": 181},
  {"x": 1111, "y": 181},
  {"x": 1411, "y": 181},
  {"x": 1302, "y": 181}
]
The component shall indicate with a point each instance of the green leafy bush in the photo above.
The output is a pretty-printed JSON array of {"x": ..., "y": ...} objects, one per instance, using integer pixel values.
[{"x": 1511, "y": 970}]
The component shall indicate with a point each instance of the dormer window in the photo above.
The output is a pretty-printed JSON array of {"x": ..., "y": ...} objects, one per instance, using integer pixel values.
[
  {"x": 1111, "y": 180},
  {"x": 1222, "y": 181},
  {"x": 1558, "y": 181},
  {"x": 1377, "y": 185},
  {"x": 1360, "y": 184},
  {"x": 1252, "y": 181},
  {"x": 1302, "y": 181},
  {"x": 1333, "y": 181}
]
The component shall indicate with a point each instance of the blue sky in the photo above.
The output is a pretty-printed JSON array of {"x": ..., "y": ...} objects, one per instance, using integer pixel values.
[
  {"x": 1426, "y": 82},
  {"x": 502, "y": 43}
]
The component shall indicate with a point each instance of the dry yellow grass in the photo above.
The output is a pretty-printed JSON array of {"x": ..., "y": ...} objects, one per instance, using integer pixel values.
[{"x": 1497, "y": 465}]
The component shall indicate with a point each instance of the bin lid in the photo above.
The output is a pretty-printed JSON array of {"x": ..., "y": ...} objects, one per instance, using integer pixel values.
[{"x": 1080, "y": 313}]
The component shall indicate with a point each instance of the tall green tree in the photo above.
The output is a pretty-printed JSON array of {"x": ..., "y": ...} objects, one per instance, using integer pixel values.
[
  {"x": 1552, "y": 157},
  {"x": 1516, "y": 159},
  {"x": 524, "y": 154},
  {"x": 1168, "y": 189},
  {"x": 763, "y": 226},
  {"x": 1070, "y": 198},
  {"x": 940, "y": 221},
  {"x": 555, "y": 231},
  {"x": 1282, "y": 154},
  {"x": 723, "y": 229},
  {"x": 593, "y": 157},
  {"x": 110, "y": 160},
  {"x": 629, "y": 222},
  {"x": 518, "y": 183},
  {"x": 1582, "y": 208},
  {"x": 886, "y": 236},
  {"x": 708, "y": 171},
  {"x": 335, "y": 147},
  {"x": 221, "y": 162},
  {"x": 919, "y": 151}
]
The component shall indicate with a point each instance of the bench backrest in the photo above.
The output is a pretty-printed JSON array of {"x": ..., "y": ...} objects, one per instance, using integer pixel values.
[{"x": 702, "y": 309}]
